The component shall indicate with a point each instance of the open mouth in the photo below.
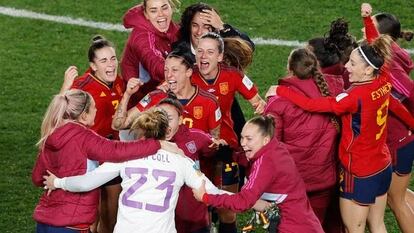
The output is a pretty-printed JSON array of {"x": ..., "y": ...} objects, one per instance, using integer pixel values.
[
  {"x": 172, "y": 84},
  {"x": 110, "y": 73},
  {"x": 204, "y": 65},
  {"x": 162, "y": 23}
]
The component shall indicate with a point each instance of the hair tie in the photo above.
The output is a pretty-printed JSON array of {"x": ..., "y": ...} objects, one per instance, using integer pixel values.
[{"x": 366, "y": 58}]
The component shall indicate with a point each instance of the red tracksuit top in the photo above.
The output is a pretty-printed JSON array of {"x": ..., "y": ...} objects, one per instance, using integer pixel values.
[
  {"x": 274, "y": 171},
  {"x": 65, "y": 154},
  {"x": 311, "y": 139}
]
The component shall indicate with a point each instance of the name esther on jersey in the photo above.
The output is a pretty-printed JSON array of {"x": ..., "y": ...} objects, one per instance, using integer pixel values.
[{"x": 381, "y": 91}]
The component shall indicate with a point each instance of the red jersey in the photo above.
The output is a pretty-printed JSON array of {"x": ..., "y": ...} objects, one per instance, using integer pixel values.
[
  {"x": 107, "y": 98},
  {"x": 201, "y": 111},
  {"x": 228, "y": 81},
  {"x": 191, "y": 215},
  {"x": 363, "y": 110}
]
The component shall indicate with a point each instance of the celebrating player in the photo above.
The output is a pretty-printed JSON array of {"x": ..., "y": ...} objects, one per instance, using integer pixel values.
[{"x": 67, "y": 147}]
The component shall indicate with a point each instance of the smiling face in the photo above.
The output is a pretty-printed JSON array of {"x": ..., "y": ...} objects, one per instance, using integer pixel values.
[
  {"x": 358, "y": 69},
  {"x": 159, "y": 13},
  {"x": 252, "y": 140},
  {"x": 174, "y": 120},
  {"x": 198, "y": 28},
  {"x": 177, "y": 74},
  {"x": 208, "y": 57},
  {"x": 105, "y": 64}
]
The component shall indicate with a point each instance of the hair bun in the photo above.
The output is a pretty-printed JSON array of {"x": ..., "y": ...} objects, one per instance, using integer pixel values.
[
  {"x": 407, "y": 35},
  {"x": 97, "y": 38}
]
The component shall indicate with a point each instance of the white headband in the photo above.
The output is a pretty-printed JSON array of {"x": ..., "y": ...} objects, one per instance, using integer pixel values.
[{"x": 366, "y": 58}]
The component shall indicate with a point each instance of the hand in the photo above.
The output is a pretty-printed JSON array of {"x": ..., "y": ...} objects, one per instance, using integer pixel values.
[
  {"x": 271, "y": 92},
  {"x": 171, "y": 147},
  {"x": 259, "y": 107},
  {"x": 49, "y": 182},
  {"x": 164, "y": 87},
  {"x": 261, "y": 205},
  {"x": 133, "y": 86},
  {"x": 366, "y": 10},
  {"x": 70, "y": 74},
  {"x": 217, "y": 142},
  {"x": 212, "y": 18},
  {"x": 199, "y": 193}
]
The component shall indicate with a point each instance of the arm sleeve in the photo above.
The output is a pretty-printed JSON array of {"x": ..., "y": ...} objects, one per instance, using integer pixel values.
[
  {"x": 194, "y": 177},
  {"x": 276, "y": 107},
  {"x": 143, "y": 46},
  {"x": 398, "y": 109},
  {"x": 371, "y": 31},
  {"x": 38, "y": 171},
  {"x": 90, "y": 180},
  {"x": 245, "y": 87},
  {"x": 214, "y": 118},
  {"x": 249, "y": 194},
  {"x": 230, "y": 31},
  {"x": 104, "y": 150},
  {"x": 343, "y": 103}
]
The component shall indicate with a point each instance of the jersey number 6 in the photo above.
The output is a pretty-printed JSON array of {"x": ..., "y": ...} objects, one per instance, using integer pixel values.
[{"x": 156, "y": 174}]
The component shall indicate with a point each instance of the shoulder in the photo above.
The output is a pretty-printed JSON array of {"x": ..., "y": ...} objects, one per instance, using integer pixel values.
[
  {"x": 84, "y": 81},
  {"x": 206, "y": 96},
  {"x": 231, "y": 71}
]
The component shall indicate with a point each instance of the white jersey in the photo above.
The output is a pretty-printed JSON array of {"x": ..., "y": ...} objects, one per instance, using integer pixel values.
[{"x": 150, "y": 188}]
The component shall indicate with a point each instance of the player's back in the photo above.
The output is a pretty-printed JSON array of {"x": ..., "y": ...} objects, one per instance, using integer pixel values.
[{"x": 149, "y": 194}]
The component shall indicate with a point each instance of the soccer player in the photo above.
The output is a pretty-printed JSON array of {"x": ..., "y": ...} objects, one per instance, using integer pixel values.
[
  {"x": 201, "y": 110},
  {"x": 364, "y": 155},
  {"x": 191, "y": 216},
  {"x": 273, "y": 173},
  {"x": 399, "y": 139},
  {"x": 67, "y": 147},
  {"x": 311, "y": 139},
  {"x": 150, "y": 186},
  {"x": 224, "y": 82},
  {"x": 149, "y": 43},
  {"x": 102, "y": 81}
]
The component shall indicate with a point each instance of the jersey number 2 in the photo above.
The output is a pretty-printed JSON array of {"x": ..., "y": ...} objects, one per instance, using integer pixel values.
[
  {"x": 156, "y": 173},
  {"x": 382, "y": 118}
]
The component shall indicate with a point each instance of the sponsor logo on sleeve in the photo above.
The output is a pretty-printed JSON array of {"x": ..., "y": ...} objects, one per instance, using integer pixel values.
[
  {"x": 247, "y": 82},
  {"x": 218, "y": 114},
  {"x": 145, "y": 101}
]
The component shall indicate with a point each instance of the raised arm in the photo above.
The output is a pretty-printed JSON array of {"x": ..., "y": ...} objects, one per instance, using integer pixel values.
[
  {"x": 371, "y": 31},
  {"x": 123, "y": 117}
]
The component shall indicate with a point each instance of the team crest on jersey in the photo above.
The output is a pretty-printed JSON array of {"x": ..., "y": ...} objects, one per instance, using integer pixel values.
[
  {"x": 224, "y": 88},
  {"x": 191, "y": 147},
  {"x": 145, "y": 101},
  {"x": 198, "y": 112}
]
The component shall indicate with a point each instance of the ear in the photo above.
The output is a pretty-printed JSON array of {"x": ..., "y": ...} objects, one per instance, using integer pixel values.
[
  {"x": 369, "y": 71},
  {"x": 145, "y": 14},
  {"x": 180, "y": 120},
  {"x": 266, "y": 140},
  {"x": 189, "y": 72},
  {"x": 93, "y": 66},
  {"x": 220, "y": 57}
]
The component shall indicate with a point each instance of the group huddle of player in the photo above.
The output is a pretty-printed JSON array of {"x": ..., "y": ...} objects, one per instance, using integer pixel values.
[{"x": 153, "y": 148}]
